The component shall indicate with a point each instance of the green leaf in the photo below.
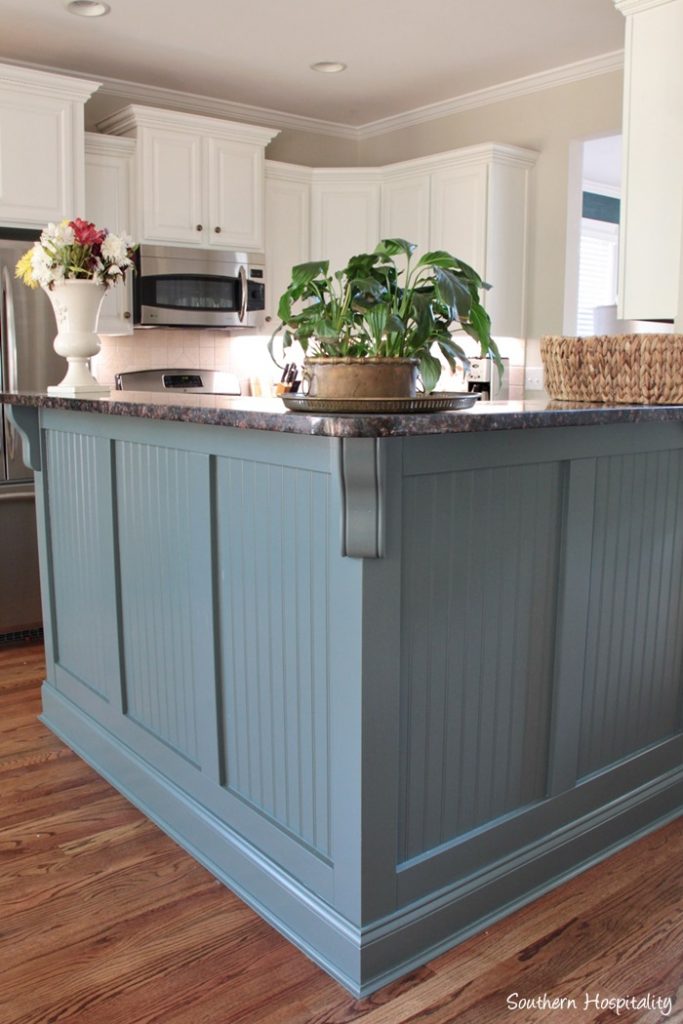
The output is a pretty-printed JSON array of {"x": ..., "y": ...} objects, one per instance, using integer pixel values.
[
  {"x": 304, "y": 273},
  {"x": 430, "y": 371},
  {"x": 395, "y": 247},
  {"x": 284, "y": 309},
  {"x": 452, "y": 352}
]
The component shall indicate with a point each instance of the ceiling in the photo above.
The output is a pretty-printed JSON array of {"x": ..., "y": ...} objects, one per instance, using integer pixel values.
[{"x": 400, "y": 54}]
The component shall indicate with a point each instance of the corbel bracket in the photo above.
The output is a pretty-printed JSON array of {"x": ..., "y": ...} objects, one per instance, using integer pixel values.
[
  {"x": 361, "y": 472},
  {"x": 26, "y": 421}
]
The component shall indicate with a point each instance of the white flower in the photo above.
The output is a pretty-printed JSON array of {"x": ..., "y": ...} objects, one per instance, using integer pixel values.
[
  {"x": 114, "y": 248},
  {"x": 41, "y": 264},
  {"x": 114, "y": 270},
  {"x": 58, "y": 234}
]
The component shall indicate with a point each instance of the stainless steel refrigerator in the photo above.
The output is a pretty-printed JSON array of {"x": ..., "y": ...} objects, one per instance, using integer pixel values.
[{"x": 27, "y": 363}]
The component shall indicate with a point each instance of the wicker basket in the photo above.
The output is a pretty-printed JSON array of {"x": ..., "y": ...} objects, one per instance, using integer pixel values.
[{"x": 641, "y": 369}]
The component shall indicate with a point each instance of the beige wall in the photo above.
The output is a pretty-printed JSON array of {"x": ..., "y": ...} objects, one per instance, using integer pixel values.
[{"x": 546, "y": 121}]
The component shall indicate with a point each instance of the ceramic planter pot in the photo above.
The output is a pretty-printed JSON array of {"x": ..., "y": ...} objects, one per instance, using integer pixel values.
[{"x": 349, "y": 377}]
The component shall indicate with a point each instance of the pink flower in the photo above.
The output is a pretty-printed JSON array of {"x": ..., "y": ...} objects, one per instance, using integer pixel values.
[{"x": 86, "y": 233}]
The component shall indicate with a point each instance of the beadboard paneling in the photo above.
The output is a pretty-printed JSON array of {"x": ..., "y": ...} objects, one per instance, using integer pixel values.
[
  {"x": 273, "y": 607},
  {"x": 159, "y": 522},
  {"x": 635, "y": 633},
  {"x": 475, "y": 715},
  {"x": 79, "y": 494}
]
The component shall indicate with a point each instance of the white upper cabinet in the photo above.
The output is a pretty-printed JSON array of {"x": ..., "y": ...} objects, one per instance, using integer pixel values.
[
  {"x": 108, "y": 203},
  {"x": 458, "y": 212},
  {"x": 345, "y": 214},
  {"x": 288, "y": 200},
  {"x": 472, "y": 202},
  {"x": 405, "y": 207},
  {"x": 652, "y": 197},
  {"x": 41, "y": 146},
  {"x": 199, "y": 179}
]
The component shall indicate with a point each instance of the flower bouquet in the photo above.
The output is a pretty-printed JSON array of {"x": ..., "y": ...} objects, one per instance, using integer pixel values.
[
  {"x": 75, "y": 250},
  {"x": 75, "y": 263}
]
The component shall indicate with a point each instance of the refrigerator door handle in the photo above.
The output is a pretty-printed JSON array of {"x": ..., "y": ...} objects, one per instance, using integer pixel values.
[
  {"x": 13, "y": 496},
  {"x": 10, "y": 335}
]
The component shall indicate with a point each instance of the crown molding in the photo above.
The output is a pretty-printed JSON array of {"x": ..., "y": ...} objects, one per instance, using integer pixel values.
[
  {"x": 495, "y": 152},
  {"x": 564, "y": 75},
  {"x": 193, "y": 103},
  {"x": 108, "y": 145},
  {"x": 132, "y": 117},
  {"x": 636, "y": 6},
  {"x": 38, "y": 79},
  {"x": 209, "y": 106}
]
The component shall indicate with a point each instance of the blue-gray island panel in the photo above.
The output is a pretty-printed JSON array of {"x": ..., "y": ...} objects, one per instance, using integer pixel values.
[{"x": 386, "y": 688}]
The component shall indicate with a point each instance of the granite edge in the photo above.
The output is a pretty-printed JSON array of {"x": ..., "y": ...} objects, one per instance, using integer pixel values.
[{"x": 233, "y": 413}]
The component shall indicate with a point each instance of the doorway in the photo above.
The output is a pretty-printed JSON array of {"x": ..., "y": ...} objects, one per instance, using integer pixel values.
[{"x": 594, "y": 196}]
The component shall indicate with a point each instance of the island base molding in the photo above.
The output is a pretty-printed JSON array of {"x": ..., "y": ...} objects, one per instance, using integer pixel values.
[
  {"x": 362, "y": 959},
  {"x": 387, "y": 689}
]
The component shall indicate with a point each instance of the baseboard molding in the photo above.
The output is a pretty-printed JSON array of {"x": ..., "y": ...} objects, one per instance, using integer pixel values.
[
  {"x": 305, "y": 920},
  {"x": 363, "y": 959}
]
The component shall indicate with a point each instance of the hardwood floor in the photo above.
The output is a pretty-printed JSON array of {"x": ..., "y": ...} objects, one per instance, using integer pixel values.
[{"x": 104, "y": 920}]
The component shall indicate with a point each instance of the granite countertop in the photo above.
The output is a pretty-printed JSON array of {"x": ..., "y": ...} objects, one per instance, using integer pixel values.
[{"x": 270, "y": 414}]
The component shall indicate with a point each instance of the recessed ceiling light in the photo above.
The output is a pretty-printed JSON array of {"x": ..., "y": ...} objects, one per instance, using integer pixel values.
[
  {"x": 328, "y": 67},
  {"x": 87, "y": 8}
]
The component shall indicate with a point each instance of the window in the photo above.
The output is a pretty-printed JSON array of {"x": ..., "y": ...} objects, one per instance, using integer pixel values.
[{"x": 598, "y": 264}]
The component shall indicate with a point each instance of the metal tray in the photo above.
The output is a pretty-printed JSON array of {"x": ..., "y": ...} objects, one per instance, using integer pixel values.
[{"x": 437, "y": 401}]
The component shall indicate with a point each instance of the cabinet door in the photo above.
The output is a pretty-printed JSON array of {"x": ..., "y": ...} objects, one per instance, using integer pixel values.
[
  {"x": 405, "y": 210},
  {"x": 36, "y": 159},
  {"x": 506, "y": 249},
  {"x": 652, "y": 204},
  {"x": 235, "y": 194},
  {"x": 107, "y": 204},
  {"x": 458, "y": 213},
  {"x": 172, "y": 187},
  {"x": 287, "y": 235},
  {"x": 344, "y": 220}
]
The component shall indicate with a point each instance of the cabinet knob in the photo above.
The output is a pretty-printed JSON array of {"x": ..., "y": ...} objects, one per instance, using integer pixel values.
[
  {"x": 218, "y": 230},
  {"x": 268, "y": 319},
  {"x": 200, "y": 227},
  {"x": 126, "y": 315}
]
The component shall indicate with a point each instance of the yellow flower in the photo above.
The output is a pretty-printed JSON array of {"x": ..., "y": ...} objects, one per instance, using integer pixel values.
[{"x": 24, "y": 270}]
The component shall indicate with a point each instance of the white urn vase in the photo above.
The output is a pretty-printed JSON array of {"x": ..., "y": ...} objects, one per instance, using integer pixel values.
[{"x": 76, "y": 306}]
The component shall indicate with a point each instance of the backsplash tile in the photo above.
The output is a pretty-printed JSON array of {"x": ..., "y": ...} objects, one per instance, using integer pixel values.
[{"x": 245, "y": 356}]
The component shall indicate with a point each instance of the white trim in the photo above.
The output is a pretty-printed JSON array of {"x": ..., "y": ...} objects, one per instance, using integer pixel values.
[
  {"x": 210, "y": 106},
  {"x": 34, "y": 79},
  {"x": 193, "y": 103},
  {"x": 132, "y": 117},
  {"x": 601, "y": 189},
  {"x": 482, "y": 151},
  {"x": 564, "y": 75},
  {"x": 628, "y": 7},
  {"x": 277, "y": 170},
  {"x": 498, "y": 153},
  {"x": 107, "y": 145}
]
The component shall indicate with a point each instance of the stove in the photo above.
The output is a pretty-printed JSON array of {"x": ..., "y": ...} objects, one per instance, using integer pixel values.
[{"x": 192, "y": 382}]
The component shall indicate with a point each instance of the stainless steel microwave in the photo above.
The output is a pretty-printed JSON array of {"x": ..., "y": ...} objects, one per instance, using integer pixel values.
[{"x": 179, "y": 287}]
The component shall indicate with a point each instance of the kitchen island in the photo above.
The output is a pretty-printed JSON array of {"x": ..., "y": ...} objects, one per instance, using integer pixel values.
[{"x": 387, "y": 677}]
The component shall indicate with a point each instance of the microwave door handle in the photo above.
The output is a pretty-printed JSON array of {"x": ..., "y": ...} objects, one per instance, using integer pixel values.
[
  {"x": 9, "y": 333},
  {"x": 243, "y": 294}
]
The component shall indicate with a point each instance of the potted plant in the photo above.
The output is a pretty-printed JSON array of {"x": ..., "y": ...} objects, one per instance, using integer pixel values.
[{"x": 368, "y": 330}]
